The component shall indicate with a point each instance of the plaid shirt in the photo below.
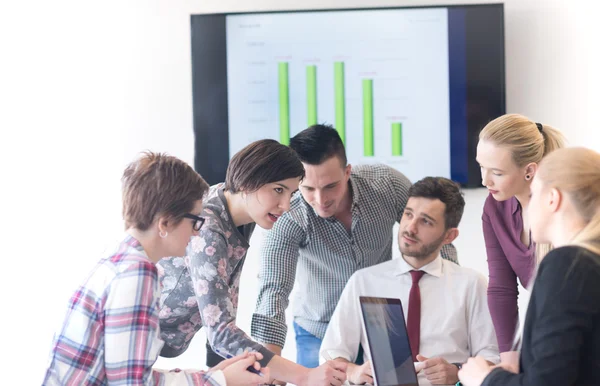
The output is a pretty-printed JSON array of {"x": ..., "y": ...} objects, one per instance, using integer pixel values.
[
  {"x": 110, "y": 334},
  {"x": 319, "y": 254}
]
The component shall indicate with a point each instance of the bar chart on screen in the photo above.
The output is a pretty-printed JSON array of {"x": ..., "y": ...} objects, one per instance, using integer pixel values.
[{"x": 380, "y": 79}]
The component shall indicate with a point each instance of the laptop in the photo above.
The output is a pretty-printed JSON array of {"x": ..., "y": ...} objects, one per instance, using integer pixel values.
[{"x": 387, "y": 338}]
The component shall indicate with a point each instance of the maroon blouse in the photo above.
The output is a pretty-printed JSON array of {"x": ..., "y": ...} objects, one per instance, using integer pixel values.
[{"x": 508, "y": 258}]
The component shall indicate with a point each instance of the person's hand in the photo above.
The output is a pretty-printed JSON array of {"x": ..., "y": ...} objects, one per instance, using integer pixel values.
[
  {"x": 509, "y": 361},
  {"x": 329, "y": 373},
  {"x": 227, "y": 362},
  {"x": 418, "y": 367},
  {"x": 474, "y": 371},
  {"x": 236, "y": 373},
  {"x": 438, "y": 371},
  {"x": 360, "y": 374}
]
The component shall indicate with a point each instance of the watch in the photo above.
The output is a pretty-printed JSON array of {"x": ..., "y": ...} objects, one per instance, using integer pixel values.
[{"x": 459, "y": 365}]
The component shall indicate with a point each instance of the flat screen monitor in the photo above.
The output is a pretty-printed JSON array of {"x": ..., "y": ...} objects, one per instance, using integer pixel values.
[{"x": 407, "y": 87}]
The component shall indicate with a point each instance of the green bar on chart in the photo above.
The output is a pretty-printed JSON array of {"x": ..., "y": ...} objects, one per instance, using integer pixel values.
[
  {"x": 284, "y": 104},
  {"x": 311, "y": 94},
  {"x": 397, "y": 139},
  {"x": 367, "y": 85},
  {"x": 340, "y": 107}
]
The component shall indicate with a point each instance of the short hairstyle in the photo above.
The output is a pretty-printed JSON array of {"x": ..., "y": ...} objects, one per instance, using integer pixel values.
[
  {"x": 446, "y": 191},
  {"x": 317, "y": 144},
  {"x": 159, "y": 185},
  {"x": 261, "y": 163}
]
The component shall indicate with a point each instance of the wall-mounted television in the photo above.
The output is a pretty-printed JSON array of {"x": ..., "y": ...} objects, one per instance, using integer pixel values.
[{"x": 410, "y": 87}]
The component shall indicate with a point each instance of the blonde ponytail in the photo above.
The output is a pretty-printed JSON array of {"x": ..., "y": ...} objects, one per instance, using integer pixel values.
[
  {"x": 542, "y": 250},
  {"x": 576, "y": 172},
  {"x": 553, "y": 139},
  {"x": 589, "y": 236},
  {"x": 527, "y": 140}
]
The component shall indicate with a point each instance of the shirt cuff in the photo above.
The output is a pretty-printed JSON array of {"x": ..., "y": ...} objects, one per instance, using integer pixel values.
[
  {"x": 334, "y": 354},
  {"x": 217, "y": 378},
  {"x": 268, "y": 330},
  {"x": 489, "y": 355},
  {"x": 267, "y": 356}
]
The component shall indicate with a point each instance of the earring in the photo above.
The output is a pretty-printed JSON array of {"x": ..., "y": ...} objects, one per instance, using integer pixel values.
[
  {"x": 163, "y": 234},
  {"x": 527, "y": 177}
]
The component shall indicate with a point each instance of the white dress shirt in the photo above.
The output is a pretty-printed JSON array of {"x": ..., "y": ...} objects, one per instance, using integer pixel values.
[{"x": 455, "y": 320}]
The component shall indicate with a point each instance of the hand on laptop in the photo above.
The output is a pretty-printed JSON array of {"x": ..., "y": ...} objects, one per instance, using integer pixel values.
[
  {"x": 360, "y": 374},
  {"x": 438, "y": 371}
]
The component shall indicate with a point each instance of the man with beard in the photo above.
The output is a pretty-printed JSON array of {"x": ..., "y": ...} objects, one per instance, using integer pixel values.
[
  {"x": 445, "y": 305},
  {"x": 342, "y": 220}
]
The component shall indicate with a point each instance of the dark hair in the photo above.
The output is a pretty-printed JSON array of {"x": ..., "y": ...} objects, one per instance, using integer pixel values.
[
  {"x": 317, "y": 144},
  {"x": 159, "y": 185},
  {"x": 260, "y": 163},
  {"x": 446, "y": 191}
]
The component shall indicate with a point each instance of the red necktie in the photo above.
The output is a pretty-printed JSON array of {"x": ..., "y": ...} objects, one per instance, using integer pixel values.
[{"x": 413, "y": 323}]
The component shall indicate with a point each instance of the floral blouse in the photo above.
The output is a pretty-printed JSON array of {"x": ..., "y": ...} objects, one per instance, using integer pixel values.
[{"x": 202, "y": 288}]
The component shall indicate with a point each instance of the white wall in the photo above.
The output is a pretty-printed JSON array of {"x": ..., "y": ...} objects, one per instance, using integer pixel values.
[{"x": 85, "y": 86}]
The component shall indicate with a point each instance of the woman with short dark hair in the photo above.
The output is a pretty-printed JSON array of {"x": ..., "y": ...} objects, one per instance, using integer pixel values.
[{"x": 202, "y": 288}]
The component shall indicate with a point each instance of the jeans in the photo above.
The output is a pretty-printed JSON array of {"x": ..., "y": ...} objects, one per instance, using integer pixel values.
[{"x": 307, "y": 347}]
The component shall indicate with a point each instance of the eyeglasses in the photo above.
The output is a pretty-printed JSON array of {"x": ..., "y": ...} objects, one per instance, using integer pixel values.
[{"x": 198, "y": 221}]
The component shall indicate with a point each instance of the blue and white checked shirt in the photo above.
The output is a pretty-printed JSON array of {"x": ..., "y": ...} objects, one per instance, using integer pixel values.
[{"x": 321, "y": 255}]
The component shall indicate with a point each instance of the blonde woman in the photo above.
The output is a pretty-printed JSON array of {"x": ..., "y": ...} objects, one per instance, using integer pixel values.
[
  {"x": 561, "y": 337},
  {"x": 509, "y": 151}
]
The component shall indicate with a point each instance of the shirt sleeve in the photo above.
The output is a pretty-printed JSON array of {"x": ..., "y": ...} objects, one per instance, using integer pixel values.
[
  {"x": 343, "y": 336},
  {"x": 400, "y": 185},
  {"x": 279, "y": 257},
  {"x": 448, "y": 252},
  {"x": 210, "y": 279},
  {"x": 132, "y": 342},
  {"x": 482, "y": 337},
  {"x": 502, "y": 290},
  {"x": 562, "y": 311}
]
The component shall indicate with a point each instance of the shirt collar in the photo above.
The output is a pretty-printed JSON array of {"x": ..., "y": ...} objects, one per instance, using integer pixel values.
[
  {"x": 434, "y": 268},
  {"x": 133, "y": 242},
  {"x": 353, "y": 186}
]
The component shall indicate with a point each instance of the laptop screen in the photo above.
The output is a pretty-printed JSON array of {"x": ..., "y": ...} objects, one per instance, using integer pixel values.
[{"x": 388, "y": 342}]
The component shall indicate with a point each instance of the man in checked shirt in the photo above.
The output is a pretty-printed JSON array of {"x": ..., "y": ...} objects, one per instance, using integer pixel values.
[{"x": 341, "y": 221}]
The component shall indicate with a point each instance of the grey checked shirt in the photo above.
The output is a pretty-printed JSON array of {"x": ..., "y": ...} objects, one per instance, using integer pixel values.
[{"x": 322, "y": 254}]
